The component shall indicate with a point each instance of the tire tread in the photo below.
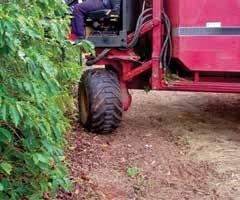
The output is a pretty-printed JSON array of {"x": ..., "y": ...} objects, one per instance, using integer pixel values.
[{"x": 105, "y": 100}]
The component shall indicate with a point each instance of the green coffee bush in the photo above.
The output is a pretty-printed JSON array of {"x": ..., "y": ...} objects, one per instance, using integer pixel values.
[{"x": 34, "y": 95}]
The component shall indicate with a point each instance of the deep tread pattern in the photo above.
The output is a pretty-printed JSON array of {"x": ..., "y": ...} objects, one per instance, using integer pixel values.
[{"x": 103, "y": 90}]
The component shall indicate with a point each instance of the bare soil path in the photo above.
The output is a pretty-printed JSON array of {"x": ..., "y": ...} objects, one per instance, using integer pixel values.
[{"x": 178, "y": 146}]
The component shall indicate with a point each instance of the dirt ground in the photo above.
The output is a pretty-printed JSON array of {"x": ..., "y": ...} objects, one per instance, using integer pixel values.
[{"x": 177, "y": 145}]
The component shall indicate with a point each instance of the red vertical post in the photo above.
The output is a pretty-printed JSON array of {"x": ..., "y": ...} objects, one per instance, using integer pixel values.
[
  {"x": 157, "y": 45},
  {"x": 196, "y": 77}
]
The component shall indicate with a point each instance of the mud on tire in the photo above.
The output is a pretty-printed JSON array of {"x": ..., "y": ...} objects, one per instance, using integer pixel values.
[{"x": 99, "y": 100}]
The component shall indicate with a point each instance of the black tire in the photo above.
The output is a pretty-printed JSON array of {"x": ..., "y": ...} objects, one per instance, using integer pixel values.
[{"x": 99, "y": 100}]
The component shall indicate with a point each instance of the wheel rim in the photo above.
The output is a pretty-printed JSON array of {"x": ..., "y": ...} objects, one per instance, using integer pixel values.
[{"x": 83, "y": 105}]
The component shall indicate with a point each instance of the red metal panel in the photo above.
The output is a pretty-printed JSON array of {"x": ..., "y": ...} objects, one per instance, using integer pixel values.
[
  {"x": 196, "y": 13},
  {"x": 204, "y": 87},
  {"x": 218, "y": 52},
  {"x": 208, "y": 53}
]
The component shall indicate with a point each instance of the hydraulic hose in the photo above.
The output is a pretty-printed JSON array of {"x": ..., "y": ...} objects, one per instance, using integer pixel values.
[
  {"x": 167, "y": 44},
  {"x": 99, "y": 57},
  {"x": 140, "y": 22}
]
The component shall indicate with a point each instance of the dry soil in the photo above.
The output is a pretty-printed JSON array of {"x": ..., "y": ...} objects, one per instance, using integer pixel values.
[{"x": 181, "y": 145}]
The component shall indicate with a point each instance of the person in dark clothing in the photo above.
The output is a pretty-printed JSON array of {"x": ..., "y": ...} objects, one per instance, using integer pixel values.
[{"x": 81, "y": 9}]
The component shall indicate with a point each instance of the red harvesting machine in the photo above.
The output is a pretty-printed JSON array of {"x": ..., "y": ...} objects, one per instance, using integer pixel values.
[{"x": 171, "y": 45}]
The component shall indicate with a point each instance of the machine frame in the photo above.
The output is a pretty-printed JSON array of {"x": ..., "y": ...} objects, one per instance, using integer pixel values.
[
  {"x": 124, "y": 63},
  {"x": 150, "y": 73}
]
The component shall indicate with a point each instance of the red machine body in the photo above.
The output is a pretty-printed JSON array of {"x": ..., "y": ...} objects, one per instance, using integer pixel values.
[
  {"x": 206, "y": 34},
  {"x": 206, "y": 49}
]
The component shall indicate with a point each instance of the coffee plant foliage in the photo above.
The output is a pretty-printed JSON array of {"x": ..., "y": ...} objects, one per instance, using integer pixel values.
[{"x": 34, "y": 95}]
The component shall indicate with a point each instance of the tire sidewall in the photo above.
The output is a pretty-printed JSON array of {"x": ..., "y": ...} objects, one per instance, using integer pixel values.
[{"x": 83, "y": 86}]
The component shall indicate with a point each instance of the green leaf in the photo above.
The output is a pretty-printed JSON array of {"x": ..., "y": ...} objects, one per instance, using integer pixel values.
[
  {"x": 133, "y": 171},
  {"x": 4, "y": 112},
  {"x": 21, "y": 55},
  {"x": 18, "y": 106},
  {"x": 14, "y": 114},
  {"x": 36, "y": 196},
  {"x": 1, "y": 187},
  {"x": 40, "y": 158},
  {"x": 5, "y": 135},
  {"x": 6, "y": 167},
  {"x": 88, "y": 47}
]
